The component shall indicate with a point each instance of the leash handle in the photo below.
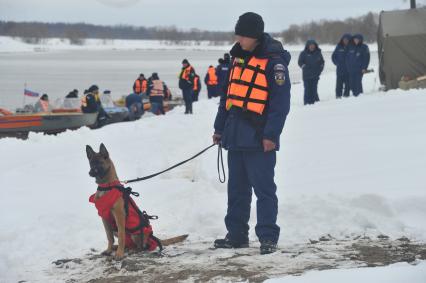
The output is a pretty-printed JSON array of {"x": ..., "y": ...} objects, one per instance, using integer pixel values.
[{"x": 220, "y": 161}]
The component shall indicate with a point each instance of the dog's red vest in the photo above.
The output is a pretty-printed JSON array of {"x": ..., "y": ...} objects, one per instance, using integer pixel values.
[{"x": 104, "y": 205}]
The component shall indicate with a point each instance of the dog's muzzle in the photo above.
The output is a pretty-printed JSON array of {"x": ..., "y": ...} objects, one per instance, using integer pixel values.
[{"x": 97, "y": 171}]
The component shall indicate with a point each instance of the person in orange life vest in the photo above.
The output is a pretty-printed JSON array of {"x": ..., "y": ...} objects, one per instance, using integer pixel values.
[
  {"x": 140, "y": 86},
  {"x": 197, "y": 87},
  {"x": 249, "y": 122},
  {"x": 186, "y": 84},
  {"x": 211, "y": 81},
  {"x": 157, "y": 90},
  {"x": 42, "y": 105}
]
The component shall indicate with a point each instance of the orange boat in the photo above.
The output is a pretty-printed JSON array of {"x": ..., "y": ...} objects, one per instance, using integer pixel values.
[{"x": 51, "y": 123}]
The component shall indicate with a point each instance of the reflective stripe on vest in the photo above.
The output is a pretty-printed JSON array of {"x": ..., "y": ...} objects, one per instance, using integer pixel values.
[
  {"x": 248, "y": 86},
  {"x": 196, "y": 83},
  {"x": 212, "y": 76},
  {"x": 144, "y": 86},
  {"x": 157, "y": 88}
]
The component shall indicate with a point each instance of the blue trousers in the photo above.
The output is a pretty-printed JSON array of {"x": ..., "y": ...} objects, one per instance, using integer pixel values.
[
  {"x": 212, "y": 91},
  {"x": 311, "y": 91},
  {"x": 342, "y": 85},
  {"x": 188, "y": 98},
  {"x": 252, "y": 171},
  {"x": 355, "y": 83}
]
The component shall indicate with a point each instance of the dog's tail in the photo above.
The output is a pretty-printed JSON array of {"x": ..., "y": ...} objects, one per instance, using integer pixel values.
[{"x": 174, "y": 240}]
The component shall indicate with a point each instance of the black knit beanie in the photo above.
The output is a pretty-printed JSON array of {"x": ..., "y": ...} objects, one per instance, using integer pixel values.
[{"x": 250, "y": 25}]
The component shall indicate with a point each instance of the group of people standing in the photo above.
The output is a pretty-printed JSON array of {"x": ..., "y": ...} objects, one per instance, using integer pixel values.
[
  {"x": 154, "y": 88},
  {"x": 351, "y": 57}
]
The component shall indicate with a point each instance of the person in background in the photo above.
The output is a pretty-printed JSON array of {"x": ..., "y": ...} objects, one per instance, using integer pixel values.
[
  {"x": 135, "y": 106},
  {"x": 339, "y": 59},
  {"x": 312, "y": 64},
  {"x": 72, "y": 94},
  {"x": 186, "y": 84},
  {"x": 211, "y": 81},
  {"x": 357, "y": 61},
  {"x": 197, "y": 87},
  {"x": 222, "y": 74},
  {"x": 93, "y": 95},
  {"x": 88, "y": 102},
  {"x": 140, "y": 85},
  {"x": 157, "y": 90},
  {"x": 71, "y": 100},
  {"x": 42, "y": 105}
]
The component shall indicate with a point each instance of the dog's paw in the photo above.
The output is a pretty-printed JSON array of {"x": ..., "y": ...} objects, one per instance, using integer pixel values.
[
  {"x": 119, "y": 255},
  {"x": 107, "y": 252}
]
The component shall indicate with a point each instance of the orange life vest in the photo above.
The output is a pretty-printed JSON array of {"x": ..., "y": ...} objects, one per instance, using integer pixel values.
[
  {"x": 157, "y": 88},
  {"x": 140, "y": 86},
  {"x": 212, "y": 76},
  {"x": 248, "y": 86},
  {"x": 185, "y": 73},
  {"x": 196, "y": 78}
]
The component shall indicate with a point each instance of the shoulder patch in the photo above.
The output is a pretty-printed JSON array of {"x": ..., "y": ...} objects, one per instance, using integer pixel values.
[{"x": 279, "y": 74}]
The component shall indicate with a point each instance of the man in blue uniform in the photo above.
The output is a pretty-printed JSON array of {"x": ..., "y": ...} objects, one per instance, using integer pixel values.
[
  {"x": 339, "y": 59},
  {"x": 248, "y": 124},
  {"x": 357, "y": 60},
  {"x": 222, "y": 71},
  {"x": 312, "y": 64}
]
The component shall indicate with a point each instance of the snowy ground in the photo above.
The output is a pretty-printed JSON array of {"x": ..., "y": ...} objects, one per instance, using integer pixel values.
[
  {"x": 12, "y": 45},
  {"x": 348, "y": 168}
]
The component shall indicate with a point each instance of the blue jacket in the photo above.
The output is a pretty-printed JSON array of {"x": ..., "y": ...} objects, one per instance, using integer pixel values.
[
  {"x": 312, "y": 63},
  {"x": 133, "y": 98},
  {"x": 339, "y": 55},
  {"x": 358, "y": 56},
  {"x": 222, "y": 74},
  {"x": 245, "y": 130}
]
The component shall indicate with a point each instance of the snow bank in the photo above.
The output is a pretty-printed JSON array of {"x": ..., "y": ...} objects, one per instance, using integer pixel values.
[
  {"x": 396, "y": 273},
  {"x": 347, "y": 167},
  {"x": 9, "y": 44}
]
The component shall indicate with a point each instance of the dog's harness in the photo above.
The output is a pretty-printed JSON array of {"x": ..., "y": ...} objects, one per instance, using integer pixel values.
[{"x": 137, "y": 221}]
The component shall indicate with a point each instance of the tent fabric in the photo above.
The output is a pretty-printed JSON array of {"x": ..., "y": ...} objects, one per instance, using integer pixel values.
[{"x": 401, "y": 45}]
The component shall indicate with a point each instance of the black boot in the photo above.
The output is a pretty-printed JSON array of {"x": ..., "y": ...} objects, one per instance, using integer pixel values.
[
  {"x": 267, "y": 247},
  {"x": 226, "y": 243}
]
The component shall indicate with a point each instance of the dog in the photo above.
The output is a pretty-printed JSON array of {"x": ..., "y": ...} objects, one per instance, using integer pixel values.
[{"x": 118, "y": 211}]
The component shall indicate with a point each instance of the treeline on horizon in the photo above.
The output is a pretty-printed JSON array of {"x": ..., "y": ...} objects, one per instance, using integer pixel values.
[{"x": 324, "y": 31}]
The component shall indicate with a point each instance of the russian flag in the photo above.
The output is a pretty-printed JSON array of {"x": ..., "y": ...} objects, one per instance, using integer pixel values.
[{"x": 28, "y": 92}]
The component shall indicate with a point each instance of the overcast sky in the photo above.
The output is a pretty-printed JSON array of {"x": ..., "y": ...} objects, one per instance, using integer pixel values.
[{"x": 185, "y": 14}]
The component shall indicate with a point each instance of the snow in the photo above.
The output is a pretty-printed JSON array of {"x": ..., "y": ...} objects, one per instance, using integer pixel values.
[
  {"x": 347, "y": 167},
  {"x": 12, "y": 45},
  {"x": 396, "y": 273}
]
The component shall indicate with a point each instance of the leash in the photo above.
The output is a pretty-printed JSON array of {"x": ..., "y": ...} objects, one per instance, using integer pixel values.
[{"x": 222, "y": 176}]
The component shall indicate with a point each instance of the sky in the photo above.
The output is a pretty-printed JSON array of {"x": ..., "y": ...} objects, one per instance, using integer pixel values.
[{"x": 186, "y": 14}]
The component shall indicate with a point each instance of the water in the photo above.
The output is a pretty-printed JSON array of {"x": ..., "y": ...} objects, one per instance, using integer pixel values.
[{"x": 57, "y": 73}]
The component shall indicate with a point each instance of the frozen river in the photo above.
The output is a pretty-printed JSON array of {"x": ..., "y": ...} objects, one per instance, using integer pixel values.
[{"x": 58, "y": 72}]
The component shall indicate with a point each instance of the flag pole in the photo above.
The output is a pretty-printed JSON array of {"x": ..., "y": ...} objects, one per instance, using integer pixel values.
[{"x": 23, "y": 100}]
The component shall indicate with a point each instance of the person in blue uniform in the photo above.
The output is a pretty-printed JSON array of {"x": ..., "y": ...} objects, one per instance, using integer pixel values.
[
  {"x": 312, "y": 64},
  {"x": 339, "y": 59},
  {"x": 357, "y": 61},
  {"x": 249, "y": 122}
]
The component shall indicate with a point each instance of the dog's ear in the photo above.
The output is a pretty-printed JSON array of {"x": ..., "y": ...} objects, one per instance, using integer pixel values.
[
  {"x": 103, "y": 151},
  {"x": 90, "y": 152}
]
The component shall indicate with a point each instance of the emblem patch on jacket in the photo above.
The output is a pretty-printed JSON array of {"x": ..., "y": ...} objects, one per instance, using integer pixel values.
[{"x": 279, "y": 74}]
